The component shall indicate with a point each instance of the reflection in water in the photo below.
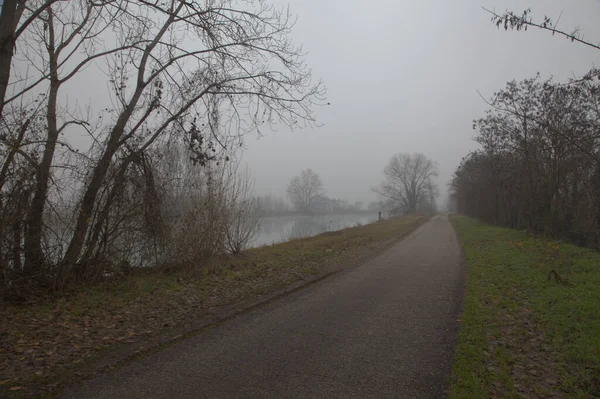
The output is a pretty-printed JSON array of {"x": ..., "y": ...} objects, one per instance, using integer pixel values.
[{"x": 284, "y": 228}]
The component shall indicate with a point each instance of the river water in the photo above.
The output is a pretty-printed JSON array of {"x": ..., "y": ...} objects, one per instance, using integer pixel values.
[{"x": 276, "y": 229}]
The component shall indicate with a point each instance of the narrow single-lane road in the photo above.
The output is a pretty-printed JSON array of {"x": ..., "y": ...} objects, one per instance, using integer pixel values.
[{"x": 386, "y": 329}]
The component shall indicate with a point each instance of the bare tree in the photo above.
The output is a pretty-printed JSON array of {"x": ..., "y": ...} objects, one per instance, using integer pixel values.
[
  {"x": 202, "y": 73},
  {"x": 15, "y": 18},
  {"x": 538, "y": 166},
  {"x": 514, "y": 21},
  {"x": 408, "y": 183},
  {"x": 243, "y": 213},
  {"x": 304, "y": 190}
]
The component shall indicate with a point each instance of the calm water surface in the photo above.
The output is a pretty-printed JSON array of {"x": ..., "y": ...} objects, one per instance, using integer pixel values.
[{"x": 276, "y": 229}]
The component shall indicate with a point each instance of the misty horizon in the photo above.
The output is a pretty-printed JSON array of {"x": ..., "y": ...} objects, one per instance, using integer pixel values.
[{"x": 407, "y": 77}]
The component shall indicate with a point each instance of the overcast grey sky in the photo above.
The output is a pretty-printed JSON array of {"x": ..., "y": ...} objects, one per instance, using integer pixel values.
[{"x": 402, "y": 76}]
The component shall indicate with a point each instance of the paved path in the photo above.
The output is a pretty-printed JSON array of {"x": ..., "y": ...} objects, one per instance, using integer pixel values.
[{"x": 386, "y": 329}]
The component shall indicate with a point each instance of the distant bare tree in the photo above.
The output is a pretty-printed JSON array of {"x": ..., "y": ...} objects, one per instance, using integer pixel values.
[
  {"x": 271, "y": 205},
  {"x": 408, "y": 182},
  {"x": 304, "y": 191}
]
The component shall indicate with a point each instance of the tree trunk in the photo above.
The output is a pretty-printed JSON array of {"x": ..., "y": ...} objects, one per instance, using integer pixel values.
[
  {"x": 34, "y": 256},
  {"x": 11, "y": 13},
  {"x": 114, "y": 193},
  {"x": 89, "y": 198},
  {"x": 14, "y": 148}
]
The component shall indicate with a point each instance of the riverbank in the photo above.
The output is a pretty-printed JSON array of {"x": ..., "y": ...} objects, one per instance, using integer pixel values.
[
  {"x": 46, "y": 344},
  {"x": 531, "y": 322}
]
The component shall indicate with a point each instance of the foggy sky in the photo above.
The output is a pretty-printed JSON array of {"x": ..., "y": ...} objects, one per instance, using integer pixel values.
[{"x": 402, "y": 76}]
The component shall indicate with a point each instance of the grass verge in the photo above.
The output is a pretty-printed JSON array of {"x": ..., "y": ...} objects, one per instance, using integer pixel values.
[
  {"x": 44, "y": 345},
  {"x": 531, "y": 323}
]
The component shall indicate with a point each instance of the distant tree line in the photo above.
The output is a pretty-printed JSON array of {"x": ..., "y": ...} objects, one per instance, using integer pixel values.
[
  {"x": 271, "y": 205},
  {"x": 408, "y": 188},
  {"x": 307, "y": 195},
  {"x": 335, "y": 205}
]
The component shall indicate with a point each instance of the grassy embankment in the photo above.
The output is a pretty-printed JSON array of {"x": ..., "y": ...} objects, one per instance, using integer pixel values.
[
  {"x": 525, "y": 331},
  {"x": 45, "y": 344}
]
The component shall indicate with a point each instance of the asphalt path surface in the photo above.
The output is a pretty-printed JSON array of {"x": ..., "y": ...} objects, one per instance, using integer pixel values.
[{"x": 385, "y": 329}]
